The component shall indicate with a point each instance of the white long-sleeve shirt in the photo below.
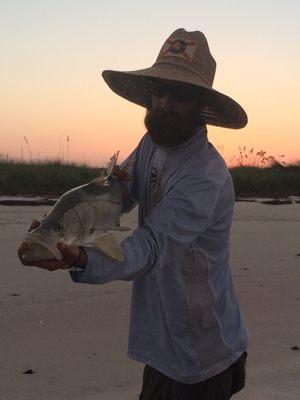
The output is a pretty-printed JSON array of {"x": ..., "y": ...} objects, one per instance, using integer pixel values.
[{"x": 185, "y": 317}]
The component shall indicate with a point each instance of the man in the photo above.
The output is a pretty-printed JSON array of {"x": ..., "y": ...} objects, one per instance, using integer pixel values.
[{"x": 186, "y": 325}]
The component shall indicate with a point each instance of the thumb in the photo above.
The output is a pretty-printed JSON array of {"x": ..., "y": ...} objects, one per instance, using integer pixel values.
[
  {"x": 121, "y": 174},
  {"x": 70, "y": 253}
]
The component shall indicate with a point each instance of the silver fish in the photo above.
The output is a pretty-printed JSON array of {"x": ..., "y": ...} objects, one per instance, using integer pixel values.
[{"x": 81, "y": 216}]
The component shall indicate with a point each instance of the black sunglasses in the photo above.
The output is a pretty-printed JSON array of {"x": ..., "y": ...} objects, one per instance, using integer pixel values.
[{"x": 178, "y": 93}]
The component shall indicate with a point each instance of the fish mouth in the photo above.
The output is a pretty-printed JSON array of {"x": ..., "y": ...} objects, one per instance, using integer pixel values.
[{"x": 51, "y": 245}]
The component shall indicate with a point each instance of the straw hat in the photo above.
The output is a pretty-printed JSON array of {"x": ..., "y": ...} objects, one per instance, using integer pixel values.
[{"x": 184, "y": 58}]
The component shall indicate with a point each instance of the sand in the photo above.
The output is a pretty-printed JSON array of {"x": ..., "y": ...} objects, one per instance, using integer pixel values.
[{"x": 74, "y": 337}]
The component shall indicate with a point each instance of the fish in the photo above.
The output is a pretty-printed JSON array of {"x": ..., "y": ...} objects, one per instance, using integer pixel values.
[{"x": 85, "y": 215}]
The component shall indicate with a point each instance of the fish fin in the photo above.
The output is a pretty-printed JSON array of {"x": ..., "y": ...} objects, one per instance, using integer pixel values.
[
  {"x": 112, "y": 162},
  {"x": 106, "y": 173},
  {"x": 110, "y": 246}
]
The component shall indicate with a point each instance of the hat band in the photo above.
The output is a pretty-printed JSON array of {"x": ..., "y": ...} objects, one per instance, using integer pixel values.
[{"x": 191, "y": 70}]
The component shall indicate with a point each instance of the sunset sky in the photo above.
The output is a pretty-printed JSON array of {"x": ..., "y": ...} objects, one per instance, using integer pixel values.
[{"x": 53, "y": 53}]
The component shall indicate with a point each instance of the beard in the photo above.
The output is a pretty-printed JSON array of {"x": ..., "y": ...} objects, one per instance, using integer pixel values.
[{"x": 169, "y": 128}]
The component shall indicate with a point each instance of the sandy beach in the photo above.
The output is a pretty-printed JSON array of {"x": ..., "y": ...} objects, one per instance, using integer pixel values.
[{"x": 74, "y": 337}]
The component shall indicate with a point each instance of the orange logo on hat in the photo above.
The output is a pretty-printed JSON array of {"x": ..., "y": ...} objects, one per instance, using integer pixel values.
[{"x": 179, "y": 47}]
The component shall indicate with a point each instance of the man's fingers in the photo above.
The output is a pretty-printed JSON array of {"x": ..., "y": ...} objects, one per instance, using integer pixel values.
[
  {"x": 51, "y": 264},
  {"x": 121, "y": 174},
  {"x": 70, "y": 253},
  {"x": 23, "y": 248}
]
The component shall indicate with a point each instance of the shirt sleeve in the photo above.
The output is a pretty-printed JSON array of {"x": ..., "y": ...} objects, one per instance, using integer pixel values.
[{"x": 175, "y": 223}]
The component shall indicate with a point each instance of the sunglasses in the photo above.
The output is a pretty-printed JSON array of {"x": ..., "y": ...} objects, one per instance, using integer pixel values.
[{"x": 177, "y": 93}]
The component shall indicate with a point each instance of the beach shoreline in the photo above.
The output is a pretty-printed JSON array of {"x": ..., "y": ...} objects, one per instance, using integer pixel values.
[{"x": 50, "y": 200}]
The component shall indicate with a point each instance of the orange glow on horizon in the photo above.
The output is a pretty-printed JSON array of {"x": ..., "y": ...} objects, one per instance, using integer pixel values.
[{"x": 68, "y": 98}]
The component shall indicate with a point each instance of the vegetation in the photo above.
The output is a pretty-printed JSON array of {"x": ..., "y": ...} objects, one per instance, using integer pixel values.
[
  {"x": 273, "y": 181},
  {"x": 257, "y": 174},
  {"x": 253, "y": 173},
  {"x": 49, "y": 177}
]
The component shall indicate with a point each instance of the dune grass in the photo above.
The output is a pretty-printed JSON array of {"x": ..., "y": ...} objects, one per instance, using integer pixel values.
[
  {"x": 261, "y": 176},
  {"x": 272, "y": 181},
  {"x": 255, "y": 173},
  {"x": 49, "y": 177}
]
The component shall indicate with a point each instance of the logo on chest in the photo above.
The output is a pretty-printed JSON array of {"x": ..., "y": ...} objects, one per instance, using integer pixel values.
[{"x": 153, "y": 178}]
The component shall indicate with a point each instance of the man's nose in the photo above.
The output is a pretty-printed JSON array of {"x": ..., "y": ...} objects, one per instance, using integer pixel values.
[{"x": 166, "y": 102}]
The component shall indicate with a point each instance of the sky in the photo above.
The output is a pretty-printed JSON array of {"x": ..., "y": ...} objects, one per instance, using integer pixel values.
[{"x": 53, "y": 54}]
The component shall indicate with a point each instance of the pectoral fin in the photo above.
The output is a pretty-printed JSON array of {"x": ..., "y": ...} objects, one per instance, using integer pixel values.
[{"x": 110, "y": 246}]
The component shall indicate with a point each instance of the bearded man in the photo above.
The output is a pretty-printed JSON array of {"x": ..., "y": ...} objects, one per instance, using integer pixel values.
[{"x": 186, "y": 324}]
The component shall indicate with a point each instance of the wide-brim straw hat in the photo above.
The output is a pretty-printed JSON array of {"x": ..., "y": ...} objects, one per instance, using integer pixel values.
[{"x": 184, "y": 57}]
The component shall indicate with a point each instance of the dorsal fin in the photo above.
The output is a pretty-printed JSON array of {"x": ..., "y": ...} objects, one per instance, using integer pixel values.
[
  {"x": 106, "y": 173},
  {"x": 112, "y": 162}
]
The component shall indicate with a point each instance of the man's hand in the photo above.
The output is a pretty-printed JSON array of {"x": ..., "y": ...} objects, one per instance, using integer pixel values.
[
  {"x": 121, "y": 174},
  {"x": 72, "y": 255}
]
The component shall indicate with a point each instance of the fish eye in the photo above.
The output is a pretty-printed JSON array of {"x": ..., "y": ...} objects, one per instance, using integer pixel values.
[{"x": 59, "y": 227}]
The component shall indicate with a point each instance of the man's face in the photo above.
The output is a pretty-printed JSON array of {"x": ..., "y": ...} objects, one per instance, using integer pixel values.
[{"x": 175, "y": 113}]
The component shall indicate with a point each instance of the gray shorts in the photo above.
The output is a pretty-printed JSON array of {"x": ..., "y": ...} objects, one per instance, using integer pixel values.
[{"x": 157, "y": 386}]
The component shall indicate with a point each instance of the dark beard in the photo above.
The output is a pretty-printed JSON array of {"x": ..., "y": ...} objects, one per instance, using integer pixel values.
[{"x": 168, "y": 128}]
